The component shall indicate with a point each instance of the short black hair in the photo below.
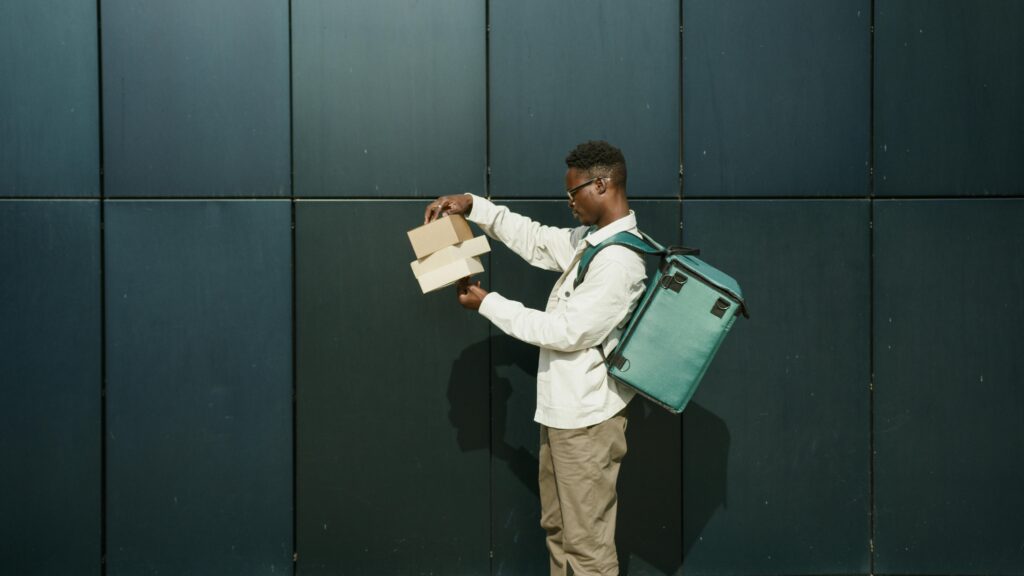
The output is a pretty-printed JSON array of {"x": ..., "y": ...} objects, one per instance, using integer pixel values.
[{"x": 598, "y": 158}]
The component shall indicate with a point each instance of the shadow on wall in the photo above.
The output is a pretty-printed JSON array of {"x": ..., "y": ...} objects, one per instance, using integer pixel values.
[
  {"x": 650, "y": 526},
  {"x": 467, "y": 394},
  {"x": 705, "y": 467}
]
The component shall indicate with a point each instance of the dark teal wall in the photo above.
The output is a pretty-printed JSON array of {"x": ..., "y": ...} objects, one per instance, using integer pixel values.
[
  {"x": 784, "y": 440},
  {"x": 214, "y": 359},
  {"x": 195, "y": 98},
  {"x": 198, "y": 386},
  {"x": 51, "y": 376},
  {"x": 49, "y": 103}
]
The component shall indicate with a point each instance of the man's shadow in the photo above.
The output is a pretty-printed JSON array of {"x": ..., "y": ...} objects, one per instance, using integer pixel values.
[
  {"x": 651, "y": 538},
  {"x": 467, "y": 395},
  {"x": 672, "y": 482}
]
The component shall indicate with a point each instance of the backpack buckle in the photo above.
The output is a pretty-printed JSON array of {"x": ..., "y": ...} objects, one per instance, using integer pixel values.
[
  {"x": 618, "y": 361},
  {"x": 721, "y": 305},
  {"x": 674, "y": 282}
]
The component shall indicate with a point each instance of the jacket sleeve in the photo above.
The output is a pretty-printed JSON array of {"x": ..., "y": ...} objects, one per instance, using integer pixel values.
[
  {"x": 586, "y": 319},
  {"x": 542, "y": 246}
]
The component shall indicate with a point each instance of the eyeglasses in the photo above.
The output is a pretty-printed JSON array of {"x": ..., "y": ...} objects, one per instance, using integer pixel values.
[{"x": 571, "y": 192}]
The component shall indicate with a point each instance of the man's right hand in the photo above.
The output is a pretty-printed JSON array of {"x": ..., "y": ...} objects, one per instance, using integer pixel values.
[
  {"x": 454, "y": 204},
  {"x": 471, "y": 295}
]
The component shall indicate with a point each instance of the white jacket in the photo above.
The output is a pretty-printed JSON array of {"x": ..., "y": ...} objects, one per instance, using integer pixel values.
[{"x": 573, "y": 386}]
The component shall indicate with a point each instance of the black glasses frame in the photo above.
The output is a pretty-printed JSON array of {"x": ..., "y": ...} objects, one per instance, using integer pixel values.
[{"x": 571, "y": 192}]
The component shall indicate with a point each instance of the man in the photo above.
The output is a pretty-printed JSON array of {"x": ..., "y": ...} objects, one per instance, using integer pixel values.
[{"x": 581, "y": 410}]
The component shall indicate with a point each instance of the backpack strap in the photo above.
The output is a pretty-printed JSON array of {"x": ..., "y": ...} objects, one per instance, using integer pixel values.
[{"x": 644, "y": 245}]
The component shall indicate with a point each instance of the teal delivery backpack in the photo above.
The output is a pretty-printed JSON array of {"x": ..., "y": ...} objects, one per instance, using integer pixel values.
[{"x": 678, "y": 325}]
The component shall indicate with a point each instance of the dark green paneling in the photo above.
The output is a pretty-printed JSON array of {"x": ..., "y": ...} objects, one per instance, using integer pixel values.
[
  {"x": 565, "y": 72},
  {"x": 776, "y": 441},
  {"x": 949, "y": 80},
  {"x": 949, "y": 431},
  {"x": 649, "y": 523},
  {"x": 517, "y": 538},
  {"x": 199, "y": 387},
  {"x": 50, "y": 380},
  {"x": 195, "y": 98},
  {"x": 392, "y": 402},
  {"x": 776, "y": 97},
  {"x": 389, "y": 97},
  {"x": 49, "y": 99}
]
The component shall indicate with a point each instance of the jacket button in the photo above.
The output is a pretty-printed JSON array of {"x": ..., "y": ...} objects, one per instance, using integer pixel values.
[{"x": 566, "y": 293}]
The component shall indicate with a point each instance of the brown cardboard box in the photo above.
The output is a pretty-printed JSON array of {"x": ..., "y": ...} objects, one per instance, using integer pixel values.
[
  {"x": 439, "y": 234},
  {"x": 449, "y": 274},
  {"x": 462, "y": 251}
]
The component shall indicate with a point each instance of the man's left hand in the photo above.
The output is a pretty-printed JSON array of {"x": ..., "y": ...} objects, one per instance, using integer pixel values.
[{"x": 470, "y": 294}]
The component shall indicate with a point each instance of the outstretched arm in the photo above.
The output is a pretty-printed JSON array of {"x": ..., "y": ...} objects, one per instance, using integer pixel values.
[
  {"x": 542, "y": 246},
  {"x": 585, "y": 319}
]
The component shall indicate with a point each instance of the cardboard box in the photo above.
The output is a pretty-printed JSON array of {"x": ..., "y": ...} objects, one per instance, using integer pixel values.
[
  {"x": 462, "y": 251},
  {"x": 449, "y": 274},
  {"x": 439, "y": 234}
]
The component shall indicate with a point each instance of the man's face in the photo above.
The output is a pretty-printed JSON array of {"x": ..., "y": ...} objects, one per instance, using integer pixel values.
[{"x": 584, "y": 201}]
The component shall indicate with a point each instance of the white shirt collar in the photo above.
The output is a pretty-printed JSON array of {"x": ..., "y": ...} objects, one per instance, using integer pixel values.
[{"x": 625, "y": 224}]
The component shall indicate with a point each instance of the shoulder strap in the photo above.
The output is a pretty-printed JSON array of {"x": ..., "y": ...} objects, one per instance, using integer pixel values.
[{"x": 645, "y": 245}]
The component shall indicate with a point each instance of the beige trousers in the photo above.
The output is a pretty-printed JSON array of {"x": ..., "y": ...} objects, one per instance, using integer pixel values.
[{"x": 578, "y": 472}]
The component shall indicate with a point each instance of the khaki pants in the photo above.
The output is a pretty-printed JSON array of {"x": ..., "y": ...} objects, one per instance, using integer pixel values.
[{"x": 578, "y": 472}]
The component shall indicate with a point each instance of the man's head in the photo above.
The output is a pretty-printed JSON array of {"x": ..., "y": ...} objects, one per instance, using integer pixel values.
[
  {"x": 595, "y": 181},
  {"x": 599, "y": 158}
]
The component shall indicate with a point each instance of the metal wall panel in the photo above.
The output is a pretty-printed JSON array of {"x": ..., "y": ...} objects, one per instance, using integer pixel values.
[
  {"x": 949, "y": 432},
  {"x": 389, "y": 97},
  {"x": 565, "y": 72},
  {"x": 199, "y": 387},
  {"x": 517, "y": 538},
  {"x": 649, "y": 523},
  {"x": 50, "y": 380},
  {"x": 949, "y": 79},
  {"x": 776, "y": 441},
  {"x": 776, "y": 97},
  {"x": 49, "y": 102},
  {"x": 392, "y": 402},
  {"x": 195, "y": 98}
]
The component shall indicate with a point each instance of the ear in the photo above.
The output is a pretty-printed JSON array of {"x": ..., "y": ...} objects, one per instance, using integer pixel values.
[{"x": 601, "y": 186}]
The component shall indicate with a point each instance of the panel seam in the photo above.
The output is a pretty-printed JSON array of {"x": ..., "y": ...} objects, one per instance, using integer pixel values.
[
  {"x": 871, "y": 289},
  {"x": 490, "y": 341},
  {"x": 294, "y": 301},
  {"x": 103, "y": 293},
  {"x": 681, "y": 193}
]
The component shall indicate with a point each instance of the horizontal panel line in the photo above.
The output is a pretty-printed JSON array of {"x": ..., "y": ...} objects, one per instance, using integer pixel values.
[
  {"x": 985, "y": 197},
  {"x": 49, "y": 199},
  {"x": 563, "y": 200},
  {"x": 786, "y": 198},
  {"x": 904, "y": 198},
  {"x": 305, "y": 198},
  {"x": 493, "y": 199},
  {"x": 203, "y": 198},
  {"x": 497, "y": 198},
  {"x": 145, "y": 198}
]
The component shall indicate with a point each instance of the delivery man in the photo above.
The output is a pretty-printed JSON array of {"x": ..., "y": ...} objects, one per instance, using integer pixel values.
[{"x": 580, "y": 409}]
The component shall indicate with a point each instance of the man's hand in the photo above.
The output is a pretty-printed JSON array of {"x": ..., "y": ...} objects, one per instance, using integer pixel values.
[
  {"x": 454, "y": 204},
  {"x": 470, "y": 293}
]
